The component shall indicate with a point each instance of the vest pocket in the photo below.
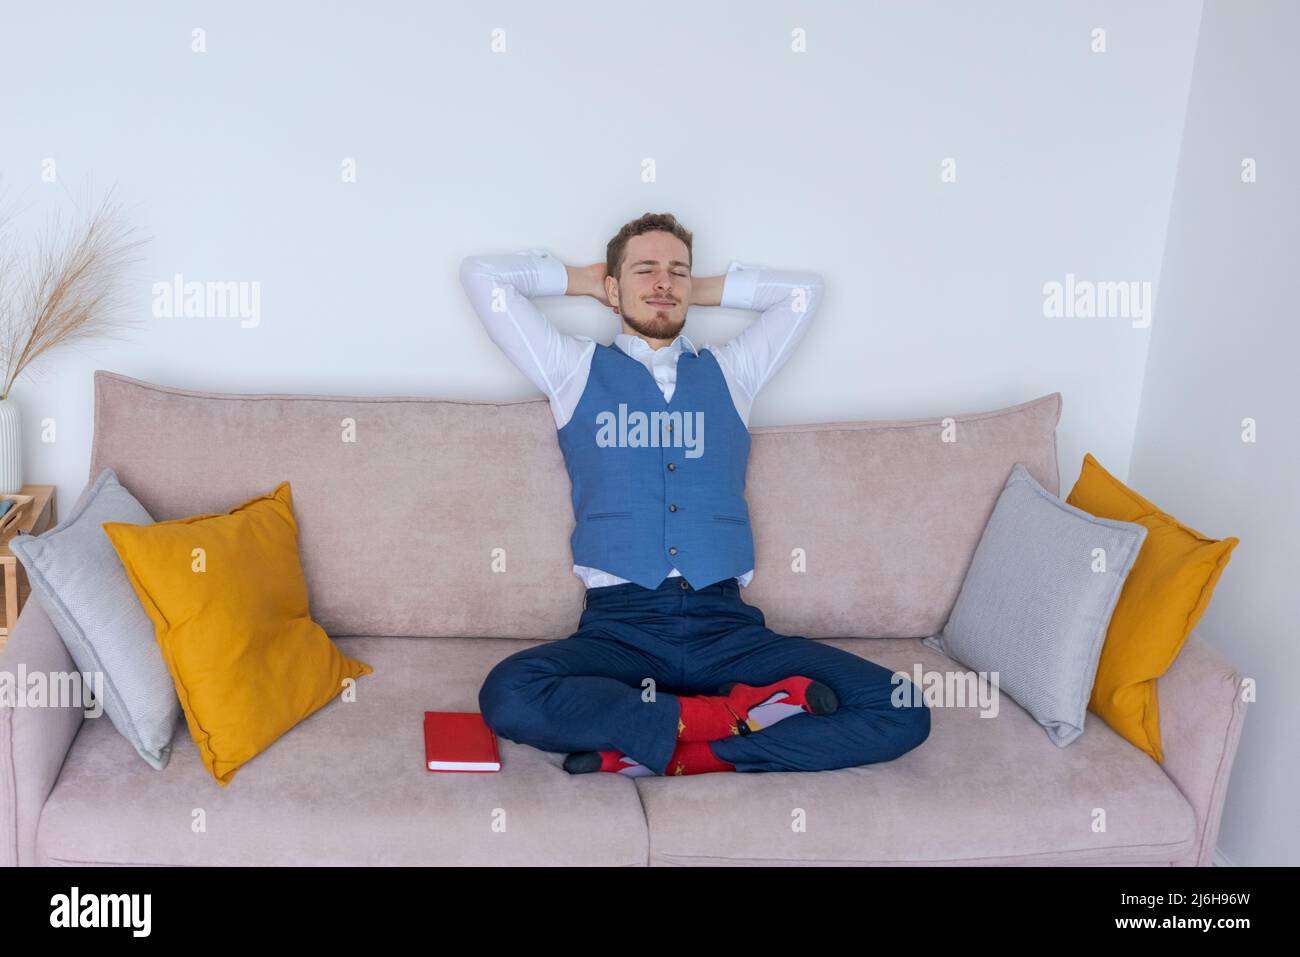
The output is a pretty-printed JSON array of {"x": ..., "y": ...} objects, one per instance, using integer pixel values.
[
  {"x": 731, "y": 518},
  {"x": 596, "y": 515}
]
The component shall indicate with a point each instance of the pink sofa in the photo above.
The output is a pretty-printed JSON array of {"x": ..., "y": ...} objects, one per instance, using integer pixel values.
[{"x": 399, "y": 532}]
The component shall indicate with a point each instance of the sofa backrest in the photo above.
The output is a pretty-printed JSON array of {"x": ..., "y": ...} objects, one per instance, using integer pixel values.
[{"x": 425, "y": 517}]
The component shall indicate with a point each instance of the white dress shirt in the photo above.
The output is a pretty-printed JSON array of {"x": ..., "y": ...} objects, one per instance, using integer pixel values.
[{"x": 501, "y": 289}]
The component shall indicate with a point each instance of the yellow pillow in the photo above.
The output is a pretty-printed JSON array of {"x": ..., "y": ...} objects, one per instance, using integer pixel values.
[
  {"x": 1163, "y": 598},
  {"x": 228, "y": 601}
]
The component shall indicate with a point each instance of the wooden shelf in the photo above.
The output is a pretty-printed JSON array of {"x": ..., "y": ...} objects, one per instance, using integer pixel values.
[{"x": 39, "y": 515}]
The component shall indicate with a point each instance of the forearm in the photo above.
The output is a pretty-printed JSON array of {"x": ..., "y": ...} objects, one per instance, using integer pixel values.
[
  {"x": 583, "y": 281},
  {"x": 707, "y": 290},
  {"x": 788, "y": 300},
  {"x": 499, "y": 288}
]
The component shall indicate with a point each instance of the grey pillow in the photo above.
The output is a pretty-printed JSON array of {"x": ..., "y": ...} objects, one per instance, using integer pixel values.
[
  {"x": 79, "y": 580},
  {"x": 1036, "y": 602}
]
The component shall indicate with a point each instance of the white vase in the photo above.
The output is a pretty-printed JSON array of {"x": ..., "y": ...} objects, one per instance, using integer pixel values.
[{"x": 11, "y": 448}]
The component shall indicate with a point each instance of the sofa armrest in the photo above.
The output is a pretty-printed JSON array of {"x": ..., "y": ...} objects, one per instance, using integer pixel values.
[
  {"x": 1201, "y": 714},
  {"x": 33, "y": 740}
]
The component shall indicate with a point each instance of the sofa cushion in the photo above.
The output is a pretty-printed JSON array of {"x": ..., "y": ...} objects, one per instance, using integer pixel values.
[
  {"x": 1036, "y": 603},
  {"x": 861, "y": 529},
  {"x": 80, "y": 582},
  {"x": 346, "y": 786},
  {"x": 1163, "y": 599},
  {"x": 247, "y": 660},
  {"x": 982, "y": 790}
]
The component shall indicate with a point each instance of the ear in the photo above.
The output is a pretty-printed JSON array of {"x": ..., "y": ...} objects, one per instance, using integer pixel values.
[{"x": 611, "y": 290}]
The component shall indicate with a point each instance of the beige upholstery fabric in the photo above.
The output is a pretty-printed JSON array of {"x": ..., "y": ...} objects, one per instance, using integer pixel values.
[
  {"x": 347, "y": 787},
  {"x": 978, "y": 791},
  {"x": 885, "y": 514}
]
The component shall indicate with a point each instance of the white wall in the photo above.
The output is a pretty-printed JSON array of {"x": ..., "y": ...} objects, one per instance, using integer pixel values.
[
  {"x": 1225, "y": 347},
  {"x": 828, "y": 159}
]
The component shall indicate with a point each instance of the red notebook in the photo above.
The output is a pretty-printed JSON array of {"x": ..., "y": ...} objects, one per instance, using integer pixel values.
[{"x": 459, "y": 741}]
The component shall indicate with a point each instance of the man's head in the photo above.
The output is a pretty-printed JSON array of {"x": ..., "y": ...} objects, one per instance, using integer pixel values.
[{"x": 649, "y": 276}]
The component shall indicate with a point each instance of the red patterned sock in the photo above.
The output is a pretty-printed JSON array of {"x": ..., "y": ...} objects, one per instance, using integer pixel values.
[
  {"x": 583, "y": 762},
  {"x": 715, "y": 717},
  {"x": 695, "y": 757},
  {"x": 689, "y": 757}
]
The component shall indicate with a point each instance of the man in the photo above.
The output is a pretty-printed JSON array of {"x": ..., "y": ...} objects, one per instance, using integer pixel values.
[{"x": 670, "y": 670}]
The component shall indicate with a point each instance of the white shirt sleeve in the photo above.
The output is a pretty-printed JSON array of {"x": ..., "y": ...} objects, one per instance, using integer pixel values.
[
  {"x": 500, "y": 289},
  {"x": 788, "y": 301}
]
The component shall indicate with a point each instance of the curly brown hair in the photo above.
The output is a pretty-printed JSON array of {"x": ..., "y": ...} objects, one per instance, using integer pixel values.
[{"x": 645, "y": 224}]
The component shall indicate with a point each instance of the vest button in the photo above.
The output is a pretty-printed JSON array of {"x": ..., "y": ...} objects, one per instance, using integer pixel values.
[
  {"x": 684, "y": 585},
  {"x": 672, "y": 508},
  {"x": 672, "y": 467},
  {"x": 672, "y": 551}
]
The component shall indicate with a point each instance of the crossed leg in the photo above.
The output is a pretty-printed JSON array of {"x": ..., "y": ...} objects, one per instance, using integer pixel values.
[
  {"x": 866, "y": 728},
  {"x": 584, "y": 693}
]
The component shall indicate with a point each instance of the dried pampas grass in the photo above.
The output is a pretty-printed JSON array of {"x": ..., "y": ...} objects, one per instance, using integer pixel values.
[{"x": 69, "y": 290}]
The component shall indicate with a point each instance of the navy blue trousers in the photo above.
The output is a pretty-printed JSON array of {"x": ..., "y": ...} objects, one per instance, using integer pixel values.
[{"x": 589, "y": 692}]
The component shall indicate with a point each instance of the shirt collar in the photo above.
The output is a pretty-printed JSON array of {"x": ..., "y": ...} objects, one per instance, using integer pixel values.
[{"x": 628, "y": 343}]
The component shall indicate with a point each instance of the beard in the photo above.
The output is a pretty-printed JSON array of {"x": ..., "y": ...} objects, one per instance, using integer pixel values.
[{"x": 659, "y": 326}]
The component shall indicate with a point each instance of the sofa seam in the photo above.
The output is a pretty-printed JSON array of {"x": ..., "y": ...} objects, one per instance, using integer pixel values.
[
  {"x": 946, "y": 861},
  {"x": 1220, "y": 783},
  {"x": 913, "y": 423},
  {"x": 72, "y": 862},
  {"x": 827, "y": 426},
  {"x": 9, "y": 822},
  {"x": 645, "y": 819},
  {"x": 303, "y": 397}
]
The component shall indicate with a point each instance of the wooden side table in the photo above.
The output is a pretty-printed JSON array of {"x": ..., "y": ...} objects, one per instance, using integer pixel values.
[{"x": 39, "y": 516}]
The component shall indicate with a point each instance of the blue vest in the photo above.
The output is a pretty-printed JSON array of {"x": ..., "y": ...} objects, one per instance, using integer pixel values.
[{"x": 657, "y": 484}]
